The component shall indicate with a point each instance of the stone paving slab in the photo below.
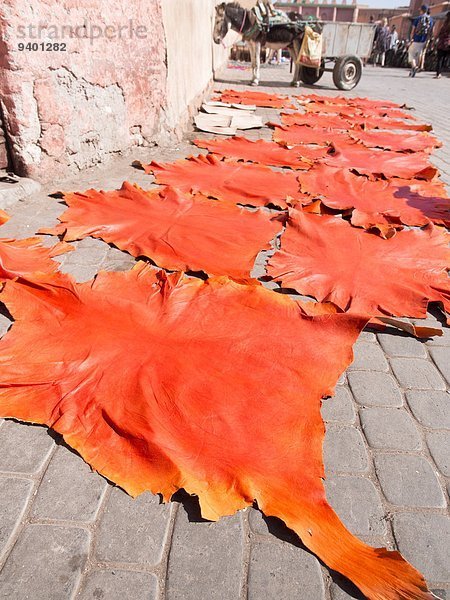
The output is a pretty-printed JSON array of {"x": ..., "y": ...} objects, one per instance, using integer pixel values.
[
  {"x": 358, "y": 503},
  {"x": 375, "y": 389},
  {"x": 69, "y": 490},
  {"x": 11, "y": 193},
  {"x": 410, "y": 481},
  {"x": 66, "y": 533},
  {"x": 46, "y": 563},
  {"x": 424, "y": 540},
  {"x": 132, "y": 533},
  {"x": 113, "y": 584},
  {"x": 390, "y": 429},
  {"x": 276, "y": 569}
]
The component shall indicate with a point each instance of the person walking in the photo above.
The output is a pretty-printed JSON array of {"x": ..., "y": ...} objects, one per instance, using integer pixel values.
[
  {"x": 422, "y": 28},
  {"x": 393, "y": 42},
  {"x": 381, "y": 42},
  {"x": 393, "y": 38},
  {"x": 443, "y": 46}
]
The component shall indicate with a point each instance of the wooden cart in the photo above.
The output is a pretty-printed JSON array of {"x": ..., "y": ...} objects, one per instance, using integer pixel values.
[{"x": 344, "y": 45}]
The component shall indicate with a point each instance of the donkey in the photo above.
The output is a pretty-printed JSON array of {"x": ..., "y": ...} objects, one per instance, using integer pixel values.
[{"x": 284, "y": 35}]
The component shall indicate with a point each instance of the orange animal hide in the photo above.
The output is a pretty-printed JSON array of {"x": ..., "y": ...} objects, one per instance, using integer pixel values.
[
  {"x": 266, "y": 153},
  {"x": 162, "y": 382},
  {"x": 379, "y": 162},
  {"x": 22, "y": 258},
  {"x": 408, "y": 201},
  {"x": 177, "y": 231},
  {"x": 358, "y": 271},
  {"x": 230, "y": 181},
  {"x": 261, "y": 99}
]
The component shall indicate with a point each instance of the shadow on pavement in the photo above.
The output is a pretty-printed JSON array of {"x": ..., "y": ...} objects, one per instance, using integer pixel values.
[{"x": 277, "y": 528}]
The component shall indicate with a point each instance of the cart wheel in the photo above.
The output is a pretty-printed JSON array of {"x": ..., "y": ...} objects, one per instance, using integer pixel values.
[
  {"x": 347, "y": 72},
  {"x": 309, "y": 75}
]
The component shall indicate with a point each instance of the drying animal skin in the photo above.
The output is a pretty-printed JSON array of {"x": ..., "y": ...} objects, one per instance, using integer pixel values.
[
  {"x": 315, "y": 120},
  {"x": 369, "y": 103},
  {"x": 389, "y": 113},
  {"x": 162, "y": 382},
  {"x": 380, "y": 162},
  {"x": 228, "y": 181},
  {"x": 419, "y": 142},
  {"x": 348, "y": 112},
  {"x": 352, "y": 110},
  {"x": 3, "y": 217},
  {"x": 23, "y": 258},
  {"x": 315, "y": 98},
  {"x": 313, "y": 309},
  {"x": 291, "y": 135},
  {"x": 265, "y": 153},
  {"x": 361, "y": 103},
  {"x": 387, "y": 123},
  {"x": 397, "y": 201},
  {"x": 358, "y": 271},
  {"x": 260, "y": 99},
  {"x": 177, "y": 231}
]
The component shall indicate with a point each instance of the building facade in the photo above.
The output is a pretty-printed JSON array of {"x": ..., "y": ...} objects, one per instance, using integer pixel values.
[
  {"x": 351, "y": 12},
  {"x": 339, "y": 10}
]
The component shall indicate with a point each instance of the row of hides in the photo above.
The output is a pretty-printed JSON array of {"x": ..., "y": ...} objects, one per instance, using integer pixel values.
[{"x": 186, "y": 372}]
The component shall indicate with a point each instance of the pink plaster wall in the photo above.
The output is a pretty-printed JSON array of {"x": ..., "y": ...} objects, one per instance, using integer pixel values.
[
  {"x": 66, "y": 111},
  {"x": 3, "y": 150}
]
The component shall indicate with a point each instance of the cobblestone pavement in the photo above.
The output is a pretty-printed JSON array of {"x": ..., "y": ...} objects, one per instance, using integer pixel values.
[{"x": 66, "y": 532}]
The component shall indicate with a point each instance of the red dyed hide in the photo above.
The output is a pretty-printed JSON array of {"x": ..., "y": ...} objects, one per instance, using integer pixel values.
[
  {"x": 260, "y": 99},
  {"x": 163, "y": 383},
  {"x": 230, "y": 181},
  {"x": 354, "y": 109},
  {"x": 308, "y": 98},
  {"x": 362, "y": 103},
  {"x": 348, "y": 112},
  {"x": 177, "y": 231},
  {"x": 314, "y": 120},
  {"x": 411, "y": 202},
  {"x": 420, "y": 142},
  {"x": 22, "y": 258},
  {"x": 325, "y": 257},
  {"x": 387, "y": 123},
  {"x": 3, "y": 217},
  {"x": 266, "y": 153},
  {"x": 302, "y": 134},
  {"x": 380, "y": 163},
  {"x": 369, "y": 103}
]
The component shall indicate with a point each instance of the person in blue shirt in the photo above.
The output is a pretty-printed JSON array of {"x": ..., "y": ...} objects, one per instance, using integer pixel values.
[{"x": 422, "y": 28}]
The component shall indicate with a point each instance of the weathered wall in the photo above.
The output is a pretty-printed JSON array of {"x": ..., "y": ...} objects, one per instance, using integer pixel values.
[
  {"x": 69, "y": 109},
  {"x": 3, "y": 149},
  {"x": 191, "y": 55},
  {"x": 110, "y": 89}
]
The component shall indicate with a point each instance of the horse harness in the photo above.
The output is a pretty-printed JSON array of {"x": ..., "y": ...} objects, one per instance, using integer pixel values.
[{"x": 261, "y": 22}]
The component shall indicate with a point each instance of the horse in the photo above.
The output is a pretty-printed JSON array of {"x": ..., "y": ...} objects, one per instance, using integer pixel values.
[{"x": 279, "y": 36}]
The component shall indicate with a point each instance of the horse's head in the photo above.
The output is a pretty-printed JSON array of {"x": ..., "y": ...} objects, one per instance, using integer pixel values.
[{"x": 221, "y": 23}]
